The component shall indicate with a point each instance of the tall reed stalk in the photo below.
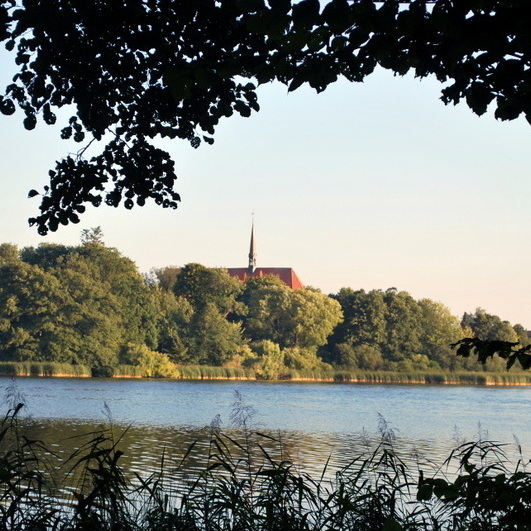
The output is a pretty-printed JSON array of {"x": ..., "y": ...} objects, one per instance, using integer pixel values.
[{"x": 248, "y": 483}]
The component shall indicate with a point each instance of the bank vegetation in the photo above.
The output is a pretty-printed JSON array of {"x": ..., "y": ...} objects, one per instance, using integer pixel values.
[{"x": 85, "y": 310}]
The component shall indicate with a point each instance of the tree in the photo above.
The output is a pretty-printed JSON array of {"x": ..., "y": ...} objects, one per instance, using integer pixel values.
[
  {"x": 173, "y": 320},
  {"x": 135, "y": 299},
  {"x": 403, "y": 331},
  {"x": 522, "y": 335},
  {"x": 46, "y": 255},
  {"x": 315, "y": 316},
  {"x": 166, "y": 277},
  {"x": 152, "y": 364},
  {"x": 212, "y": 339},
  {"x": 202, "y": 285},
  {"x": 142, "y": 69},
  {"x": 489, "y": 327},
  {"x": 394, "y": 325},
  {"x": 301, "y": 318},
  {"x": 363, "y": 357},
  {"x": 96, "y": 301},
  {"x": 9, "y": 253},
  {"x": 93, "y": 235},
  {"x": 30, "y": 300},
  {"x": 440, "y": 329},
  {"x": 364, "y": 318},
  {"x": 269, "y": 361},
  {"x": 485, "y": 350}
]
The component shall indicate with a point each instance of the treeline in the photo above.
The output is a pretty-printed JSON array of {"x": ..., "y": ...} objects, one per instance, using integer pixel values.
[
  {"x": 88, "y": 305},
  {"x": 390, "y": 330}
]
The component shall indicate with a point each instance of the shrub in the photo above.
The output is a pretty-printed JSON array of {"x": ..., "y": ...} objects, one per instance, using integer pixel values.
[
  {"x": 365, "y": 357},
  {"x": 304, "y": 360},
  {"x": 151, "y": 364},
  {"x": 269, "y": 359}
]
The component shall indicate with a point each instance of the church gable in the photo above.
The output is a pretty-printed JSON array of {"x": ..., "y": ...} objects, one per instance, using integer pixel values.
[{"x": 286, "y": 274}]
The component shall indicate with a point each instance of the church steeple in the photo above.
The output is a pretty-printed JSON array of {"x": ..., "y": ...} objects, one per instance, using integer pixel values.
[
  {"x": 284, "y": 274},
  {"x": 252, "y": 251}
]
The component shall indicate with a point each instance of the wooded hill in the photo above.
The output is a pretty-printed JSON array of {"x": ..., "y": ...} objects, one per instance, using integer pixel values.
[{"x": 88, "y": 305}]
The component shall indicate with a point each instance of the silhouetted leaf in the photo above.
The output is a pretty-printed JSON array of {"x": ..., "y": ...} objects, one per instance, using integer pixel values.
[{"x": 30, "y": 122}]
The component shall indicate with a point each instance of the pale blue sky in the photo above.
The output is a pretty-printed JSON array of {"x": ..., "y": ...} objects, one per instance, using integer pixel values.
[{"x": 372, "y": 185}]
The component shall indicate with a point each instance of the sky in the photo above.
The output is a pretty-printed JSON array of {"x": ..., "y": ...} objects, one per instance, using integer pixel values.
[{"x": 369, "y": 186}]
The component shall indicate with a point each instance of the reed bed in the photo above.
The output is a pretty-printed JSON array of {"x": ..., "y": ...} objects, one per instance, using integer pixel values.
[
  {"x": 27, "y": 368},
  {"x": 395, "y": 377},
  {"x": 205, "y": 372},
  {"x": 243, "y": 486}
]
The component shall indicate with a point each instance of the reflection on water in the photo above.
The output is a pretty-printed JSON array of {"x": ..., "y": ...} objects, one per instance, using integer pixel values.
[
  {"x": 314, "y": 423},
  {"x": 145, "y": 449}
]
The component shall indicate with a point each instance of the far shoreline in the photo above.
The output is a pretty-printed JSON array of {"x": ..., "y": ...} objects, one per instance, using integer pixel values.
[{"x": 206, "y": 373}]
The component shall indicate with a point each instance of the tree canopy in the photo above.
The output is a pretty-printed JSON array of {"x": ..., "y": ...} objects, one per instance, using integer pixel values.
[
  {"x": 136, "y": 70},
  {"x": 301, "y": 318},
  {"x": 88, "y": 305}
]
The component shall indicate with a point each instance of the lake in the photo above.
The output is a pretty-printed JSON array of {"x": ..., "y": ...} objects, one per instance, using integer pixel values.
[{"x": 314, "y": 420}]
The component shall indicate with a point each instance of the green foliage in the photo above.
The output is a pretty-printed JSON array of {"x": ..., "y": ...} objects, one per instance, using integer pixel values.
[
  {"x": 304, "y": 360},
  {"x": 173, "y": 317},
  {"x": 211, "y": 339},
  {"x": 30, "y": 300},
  {"x": 47, "y": 255},
  {"x": 291, "y": 318},
  {"x": 135, "y": 303},
  {"x": 384, "y": 328},
  {"x": 439, "y": 329},
  {"x": 93, "y": 328},
  {"x": 484, "y": 494},
  {"x": 102, "y": 371},
  {"x": 489, "y": 327},
  {"x": 416, "y": 362},
  {"x": 203, "y": 286},
  {"x": 82, "y": 305},
  {"x": 75, "y": 305},
  {"x": 151, "y": 364},
  {"x": 190, "y": 372},
  {"x": 204, "y": 372},
  {"x": 364, "y": 320},
  {"x": 365, "y": 357},
  {"x": 93, "y": 235},
  {"x": 9, "y": 253},
  {"x": 128, "y": 371},
  {"x": 403, "y": 335},
  {"x": 166, "y": 277},
  {"x": 521, "y": 335},
  {"x": 269, "y": 361}
]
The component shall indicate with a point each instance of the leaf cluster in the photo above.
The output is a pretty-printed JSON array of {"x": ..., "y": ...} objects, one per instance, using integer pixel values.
[
  {"x": 484, "y": 493},
  {"x": 487, "y": 349},
  {"x": 137, "y": 70}
]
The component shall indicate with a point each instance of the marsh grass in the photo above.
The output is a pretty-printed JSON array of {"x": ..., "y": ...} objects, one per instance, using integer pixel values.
[
  {"x": 205, "y": 372},
  {"x": 26, "y": 368},
  {"x": 249, "y": 482}
]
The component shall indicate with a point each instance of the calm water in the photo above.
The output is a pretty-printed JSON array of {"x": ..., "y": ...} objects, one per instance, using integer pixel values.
[{"x": 314, "y": 420}]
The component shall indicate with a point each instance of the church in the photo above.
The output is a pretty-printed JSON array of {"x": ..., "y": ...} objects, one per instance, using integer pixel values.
[{"x": 286, "y": 274}]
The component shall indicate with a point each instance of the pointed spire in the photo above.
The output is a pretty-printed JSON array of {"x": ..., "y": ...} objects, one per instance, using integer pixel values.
[{"x": 252, "y": 251}]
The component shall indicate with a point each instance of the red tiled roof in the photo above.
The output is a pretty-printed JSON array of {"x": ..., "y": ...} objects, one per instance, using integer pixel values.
[{"x": 286, "y": 274}]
